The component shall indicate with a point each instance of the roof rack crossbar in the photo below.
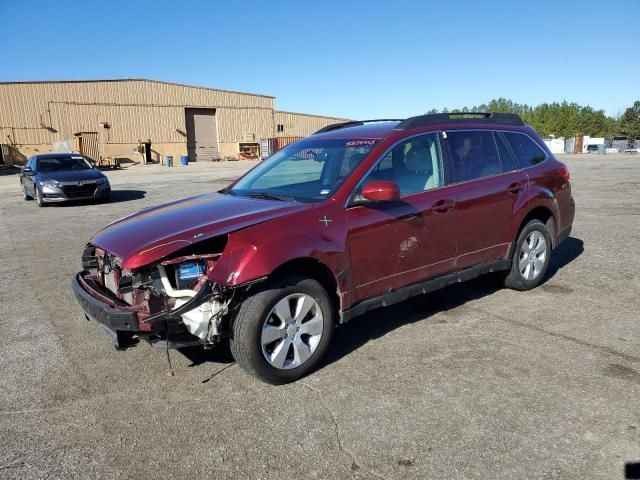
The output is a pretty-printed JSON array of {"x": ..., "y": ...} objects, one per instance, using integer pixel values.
[
  {"x": 460, "y": 117},
  {"x": 355, "y": 123}
]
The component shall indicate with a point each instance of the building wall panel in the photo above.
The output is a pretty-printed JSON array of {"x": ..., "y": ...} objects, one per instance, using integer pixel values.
[
  {"x": 43, "y": 113},
  {"x": 302, "y": 124},
  {"x": 136, "y": 109}
]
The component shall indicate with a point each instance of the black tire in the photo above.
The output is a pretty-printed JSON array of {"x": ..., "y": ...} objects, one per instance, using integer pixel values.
[
  {"x": 513, "y": 278},
  {"x": 245, "y": 342},
  {"x": 39, "y": 199}
]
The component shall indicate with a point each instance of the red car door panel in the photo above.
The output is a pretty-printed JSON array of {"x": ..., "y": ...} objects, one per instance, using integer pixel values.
[
  {"x": 394, "y": 244},
  {"x": 484, "y": 209}
]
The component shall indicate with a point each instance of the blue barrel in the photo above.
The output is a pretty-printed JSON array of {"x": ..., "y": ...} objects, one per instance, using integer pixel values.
[
  {"x": 184, "y": 160},
  {"x": 169, "y": 160}
]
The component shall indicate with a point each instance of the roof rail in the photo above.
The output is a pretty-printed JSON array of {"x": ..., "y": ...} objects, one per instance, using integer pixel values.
[
  {"x": 355, "y": 123},
  {"x": 460, "y": 117}
]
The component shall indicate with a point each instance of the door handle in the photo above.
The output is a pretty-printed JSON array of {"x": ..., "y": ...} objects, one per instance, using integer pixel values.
[
  {"x": 442, "y": 206},
  {"x": 515, "y": 187}
]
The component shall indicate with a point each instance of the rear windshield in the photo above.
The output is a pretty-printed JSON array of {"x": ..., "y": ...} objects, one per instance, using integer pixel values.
[
  {"x": 62, "y": 163},
  {"x": 309, "y": 170}
]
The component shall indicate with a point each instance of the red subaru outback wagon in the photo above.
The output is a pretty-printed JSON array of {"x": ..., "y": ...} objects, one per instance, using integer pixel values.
[{"x": 357, "y": 216}]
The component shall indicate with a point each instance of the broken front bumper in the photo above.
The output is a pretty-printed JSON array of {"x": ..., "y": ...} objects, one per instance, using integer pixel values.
[
  {"x": 123, "y": 324},
  {"x": 119, "y": 323}
]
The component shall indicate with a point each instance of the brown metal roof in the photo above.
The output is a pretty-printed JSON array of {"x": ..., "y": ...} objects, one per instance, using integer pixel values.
[
  {"x": 136, "y": 80},
  {"x": 312, "y": 115}
]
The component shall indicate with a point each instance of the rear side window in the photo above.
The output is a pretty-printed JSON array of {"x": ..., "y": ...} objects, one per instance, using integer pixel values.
[
  {"x": 527, "y": 151},
  {"x": 472, "y": 154}
]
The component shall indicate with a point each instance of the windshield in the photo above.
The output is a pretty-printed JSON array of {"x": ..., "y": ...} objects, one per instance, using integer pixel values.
[
  {"x": 309, "y": 170},
  {"x": 62, "y": 163}
]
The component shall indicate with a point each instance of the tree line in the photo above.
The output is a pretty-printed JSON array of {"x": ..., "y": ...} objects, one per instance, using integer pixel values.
[{"x": 565, "y": 119}]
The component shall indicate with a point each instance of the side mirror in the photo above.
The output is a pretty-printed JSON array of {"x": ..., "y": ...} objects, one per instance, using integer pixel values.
[{"x": 381, "y": 191}]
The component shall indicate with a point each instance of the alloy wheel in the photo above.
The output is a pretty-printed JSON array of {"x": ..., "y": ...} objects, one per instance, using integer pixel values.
[
  {"x": 533, "y": 254},
  {"x": 292, "y": 331}
]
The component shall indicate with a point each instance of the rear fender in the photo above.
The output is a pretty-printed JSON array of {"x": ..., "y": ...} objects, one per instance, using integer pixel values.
[{"x": 539, "y": 196}]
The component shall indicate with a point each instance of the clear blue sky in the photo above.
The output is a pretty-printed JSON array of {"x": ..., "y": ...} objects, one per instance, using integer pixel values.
[{"x": 358, "y": 59}]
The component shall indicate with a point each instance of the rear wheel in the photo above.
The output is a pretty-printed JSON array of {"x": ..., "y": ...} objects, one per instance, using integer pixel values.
[
  {"x": 530, "y": 257},
  {"x": 281, "y": 332}
]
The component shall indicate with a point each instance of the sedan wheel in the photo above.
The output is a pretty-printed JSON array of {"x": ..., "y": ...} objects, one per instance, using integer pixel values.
[
  {"x": 39, "y": 198},
  {"x": 292, "y": 331}
]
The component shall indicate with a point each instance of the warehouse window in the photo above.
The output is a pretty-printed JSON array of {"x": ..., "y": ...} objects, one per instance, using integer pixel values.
[{"x": 280, "y": 127}]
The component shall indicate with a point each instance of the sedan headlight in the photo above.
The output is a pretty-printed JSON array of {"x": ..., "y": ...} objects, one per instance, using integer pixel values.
[
  {"x": 49, "y": 183},
  {"x": 102, "y": 180}
]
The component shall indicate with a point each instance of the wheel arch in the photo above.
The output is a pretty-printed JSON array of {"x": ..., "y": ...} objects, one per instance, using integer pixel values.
[
  {"x": 546, "y": 216},
  {"x": 313, "y": 268}
]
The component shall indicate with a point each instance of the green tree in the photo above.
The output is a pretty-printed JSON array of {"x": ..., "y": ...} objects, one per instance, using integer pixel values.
[
  {"x": 629, "y": 123},
  {"x": 560, "y": 119}
]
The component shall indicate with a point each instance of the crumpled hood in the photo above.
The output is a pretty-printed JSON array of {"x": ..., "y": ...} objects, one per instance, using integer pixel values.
[
  {"x": 71, "y": 175},
  {"x": 152, "y": 234}
]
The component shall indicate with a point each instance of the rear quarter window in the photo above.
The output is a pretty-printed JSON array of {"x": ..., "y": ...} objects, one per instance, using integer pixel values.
[
  {"x": 527, "y": 151},
  {"x": 506, "y": 159}
]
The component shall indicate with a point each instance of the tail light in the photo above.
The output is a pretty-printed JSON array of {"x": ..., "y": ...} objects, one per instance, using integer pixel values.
[{"x": 564, "y": 173}]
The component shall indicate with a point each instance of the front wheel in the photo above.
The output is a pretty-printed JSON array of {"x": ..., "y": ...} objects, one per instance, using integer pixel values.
[
  {"x": 530, "y": 258},
  {"x": 281, "y": 332},
  {"x": 40, "y": 198}
]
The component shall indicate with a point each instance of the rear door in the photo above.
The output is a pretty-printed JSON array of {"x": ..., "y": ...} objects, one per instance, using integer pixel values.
[
  {"x": 488, "y": 190},
  {"x": 530, "y": 156}
]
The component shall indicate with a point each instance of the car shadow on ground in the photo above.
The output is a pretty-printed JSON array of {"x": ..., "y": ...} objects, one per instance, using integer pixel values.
[
  {"x": 117, "y": 196},
  {"x": 126, "y": 195},
  {"x": 198, "y": 355},
  {"x": 566, "y": 253},
  {"x": 377, "y": 323}
]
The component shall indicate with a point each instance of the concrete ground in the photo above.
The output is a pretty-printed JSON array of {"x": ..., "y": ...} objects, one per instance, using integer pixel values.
[{"x": 469, "y": 382}]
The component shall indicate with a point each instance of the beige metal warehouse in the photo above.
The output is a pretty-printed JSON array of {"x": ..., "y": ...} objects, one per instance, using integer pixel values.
[{"x": 115, "y": 118}]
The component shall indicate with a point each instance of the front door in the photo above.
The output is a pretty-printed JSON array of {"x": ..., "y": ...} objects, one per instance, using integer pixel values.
[
  {"x": 394, "y": 244},
  {"x": 29, "y": 180}
]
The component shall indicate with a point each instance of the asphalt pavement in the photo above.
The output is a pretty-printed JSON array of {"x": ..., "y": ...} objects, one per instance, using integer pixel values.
[{"x": 470, "y": 382}]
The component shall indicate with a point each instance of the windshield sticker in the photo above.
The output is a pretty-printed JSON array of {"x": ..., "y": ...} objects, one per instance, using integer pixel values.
[{"x": 355, "y": 143}]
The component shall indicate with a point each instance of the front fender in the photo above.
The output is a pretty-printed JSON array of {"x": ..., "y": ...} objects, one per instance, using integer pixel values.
[{"x": 253, "y": 253}]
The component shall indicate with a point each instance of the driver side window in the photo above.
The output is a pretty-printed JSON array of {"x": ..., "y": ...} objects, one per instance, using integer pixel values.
[{"x": 415, "y": 165}]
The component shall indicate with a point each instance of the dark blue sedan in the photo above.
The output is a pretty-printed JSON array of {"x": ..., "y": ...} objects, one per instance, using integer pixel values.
[{"x": 62, "y": 177}]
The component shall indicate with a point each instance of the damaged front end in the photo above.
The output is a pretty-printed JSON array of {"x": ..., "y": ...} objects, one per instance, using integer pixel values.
[{"x": 170, "y": 303}]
